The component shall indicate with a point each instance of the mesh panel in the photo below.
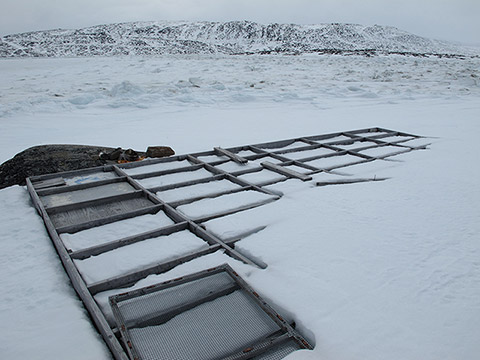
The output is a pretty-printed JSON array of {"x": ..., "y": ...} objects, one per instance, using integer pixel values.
[
  {"x": 139, "y": 308},
  {"x": 211, "y": 317},
  {"x": 210, "y": 330}
]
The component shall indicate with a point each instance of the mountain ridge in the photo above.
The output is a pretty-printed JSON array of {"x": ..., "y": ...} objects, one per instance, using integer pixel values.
[{"x": 233, "y": 37}]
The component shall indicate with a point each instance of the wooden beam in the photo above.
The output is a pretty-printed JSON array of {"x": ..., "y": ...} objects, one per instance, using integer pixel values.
[
  {"x": 77, "y": 281},
  {"x": 100, "y": 249},
  {"x": 284, "y": 171},
  {"x": 132, "y": 277},
  {"x": 103, "y": 221},
  {"x": 348, "y": 181},
  {"x": 230, "y": 155},
  {"x": 55, "y": 182}
]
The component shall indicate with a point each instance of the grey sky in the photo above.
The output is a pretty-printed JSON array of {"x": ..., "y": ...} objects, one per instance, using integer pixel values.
[{"x": 455, "y": 20}]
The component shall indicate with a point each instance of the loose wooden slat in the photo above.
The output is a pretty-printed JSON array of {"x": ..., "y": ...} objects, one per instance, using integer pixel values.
[
  {"x": 232, "y": 156},
  {"x": 284, "y": 171}
]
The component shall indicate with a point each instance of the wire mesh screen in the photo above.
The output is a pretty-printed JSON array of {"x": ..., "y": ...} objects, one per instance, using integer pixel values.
[{"x": 210, "y": 317}]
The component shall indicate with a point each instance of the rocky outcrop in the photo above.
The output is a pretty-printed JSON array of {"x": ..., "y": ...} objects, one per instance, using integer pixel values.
[
  {"x": 46, "y": 159},
  {"x": 234, "y": 37}
]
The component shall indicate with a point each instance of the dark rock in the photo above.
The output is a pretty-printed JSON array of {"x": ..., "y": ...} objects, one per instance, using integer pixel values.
[
  {"x": 129, "y": 155},
  {"x": 159, "y": 151},
  {"x": 45, "y": 159}
]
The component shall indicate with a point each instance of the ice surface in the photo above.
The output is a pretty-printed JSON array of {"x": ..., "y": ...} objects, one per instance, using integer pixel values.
[
  {"x": 85, "y": 179},
  {"x": 379, "y": 270},
  {"x": 138, "y": 255},
  {"x": 115, "y": 231}
]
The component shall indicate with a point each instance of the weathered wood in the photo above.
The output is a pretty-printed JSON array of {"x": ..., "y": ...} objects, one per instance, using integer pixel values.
[
  {"x": 186, "y": 183},
  {"x": 230, "y": 155},
  {"x": 393, "y": 154},
  {"x": 100, "y": 249},
  {"x": 77, "y": 281},
  {"x": 281, "y": 322},
  {"x": 55, "y": 182},
  {"x": 66, "y": 174},
  {"x": 107, "y": 220},
  {"x": 96, "y": 212},
  {"x": 131, "y": 278},
  {"x": 112, "y": 199},
  {"x": 212, "y": 239},
  {"x": 259, "y": 348},
  {"x": 348, "y": 181},
  {"x": 233, "y": 211},
  {"x": 284, "y": 171},
  {"x": 69, "y": 188},
  {"x": 166, "y": 172},
  {"x": 207, "y": 196}
]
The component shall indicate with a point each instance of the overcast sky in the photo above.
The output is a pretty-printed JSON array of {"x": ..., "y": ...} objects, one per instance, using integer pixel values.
[{"x": 454, "y": 20}]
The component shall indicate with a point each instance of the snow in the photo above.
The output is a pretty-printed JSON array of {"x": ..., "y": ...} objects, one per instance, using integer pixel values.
[
  {"x": 114, "y": 231},
  {"x": 169, "y": 179},
  {"x": 193, "y": 191},
  {"x": 232, "y": 37},
  {"x": 379, "y": 270},
  {"x": 42, "y": 317},
  {"x": 219, "y": 204},
  {"x": 135, "y": 256},
  {"x": 157, "y": 167}
]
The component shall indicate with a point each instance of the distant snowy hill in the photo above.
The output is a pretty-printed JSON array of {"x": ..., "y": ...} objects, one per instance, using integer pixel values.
[{"x": 235, "y": 37}]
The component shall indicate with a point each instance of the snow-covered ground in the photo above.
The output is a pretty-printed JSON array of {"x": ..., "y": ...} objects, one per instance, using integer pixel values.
[{"x": 383, "y": 270}]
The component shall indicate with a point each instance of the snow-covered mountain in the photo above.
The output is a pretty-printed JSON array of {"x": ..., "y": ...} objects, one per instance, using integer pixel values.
[{"x": 235, "y": 37}]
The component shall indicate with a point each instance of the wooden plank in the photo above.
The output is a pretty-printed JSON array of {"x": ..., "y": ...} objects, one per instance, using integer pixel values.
[
  {"x": 233, "y": 211},
  {"x": 166, "y": 172},
  {"x": 64, "y": 174},
  {"x": 232, "y": 156},
  {"x": 284, "y": 171},
  {"x": 131, "y": 278},
  {"x": 107, "y": 220},
  {"x": 208, "y": 196},
  {"x": 155, "y": 320},
  {"x": 212, "y": 239},
  {"x": 55, "y": 182},
  {"x": 77, "y": 281},
  {"x": 69, "y": 188},
  {"x": 94, "y": 202},
  {"x": 284, "y": 325},
  {"x": 259, "y": 348},
  {"x": 96, "y": 212},
  {"x": 348, "y": 181},
  {"x": 186, "y": 183},
  {"x": 243, "y": 235},
  {"x": 115, "y": 299},
  {"x": 99, "y": 249}
]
